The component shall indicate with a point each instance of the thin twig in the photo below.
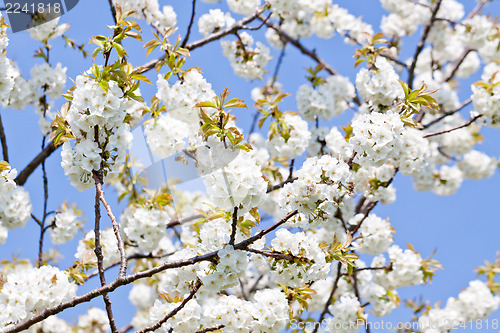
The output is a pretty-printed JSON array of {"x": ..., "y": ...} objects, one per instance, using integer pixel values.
[
  {"x": 210, "y": 329},
  {"x": 458, "y": 63},
  {"x": 126, "y": 328},
  {"x": 470, "y": 121},
  {"x": 280, "y": 185},
  {"x": 354, "y": 283},
  {"x": 298, "y": 45},
  {"x": 113, "y": 10},
  {"x": 3, "y": 139},
  {"x": 233, "y": 226},
  {"x": 329, "y": 301},
  {"x": 134, "y": 256},
  {"x": 173, "y": 312},
  {"x": 447, "y": 114},
  {"x": 421, "y": 43},
  {"x": 477, "y": 9},
  {"x": 275, "y": 255},
  {"x": 116, "y": 227},
  {"x": 44, "y": 217},
  {"x": 99, "y": 255},
  {"x": 184, "y": 42},
  {"x": 176, "y": 222}
]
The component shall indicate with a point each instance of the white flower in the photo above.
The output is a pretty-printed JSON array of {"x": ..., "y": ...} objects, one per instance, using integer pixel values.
[
  {"x": 379, "y": 86},
  {"x": 239, "y": 184},
  {"x": 296, "y": 143},
  {"x": 376, "y": 235},
  {"x": 376, "y": 137}
]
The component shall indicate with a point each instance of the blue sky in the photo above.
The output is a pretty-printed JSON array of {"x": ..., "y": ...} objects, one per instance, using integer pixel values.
[{"x": 464, "y": 228}]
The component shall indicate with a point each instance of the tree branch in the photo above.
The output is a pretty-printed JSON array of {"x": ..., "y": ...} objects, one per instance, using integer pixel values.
[
  {"x": 233, "y": 226},
  {"x": 31, "y": 167},
  {"x": 473, "y": 119},
  {"x": 298, "y": 45},
  {"x": 458, "y": 63},
  {"x": 173, "y": 312},
  {"x": 98, "y": 254},
  {"x": 116, "y": 227},
  {"x": 113, "y": 10},
  {"x": 447, "y": 114},
  {"x": 329, "y": 301},
  {"x": 176, "y": 222},
  {"x": 3, "y": 139},
  {"x": 184, "y": 42},
  {"x": 421, "y": 43},
  {"x": 210, "y": 329}
]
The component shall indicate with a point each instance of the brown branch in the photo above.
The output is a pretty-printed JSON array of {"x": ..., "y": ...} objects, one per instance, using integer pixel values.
[
  {"x": 329, "y": 301},
  {"x": 354, "y": 283},
  {"x": 280, "y": 185},
  {"x": 304, "y": 50},
  {"x": 173, "y": 312},
  {"x": 116, "y": 227},
  {"x": 395, "y": 60},
  {"x": 421, "y": 43},
  {"x": 373, "y": 268},
  {"x": 184, "y": 42},
  {"x": 130, "y": 257},
  {"x": 179, "y": 221},
  {"x": 210, "y": 329},
  {"x": 477, "y": 9},
  {"x": 233, "y": 226},
  {"x": 449, "y": 113},
  {"x": 126, "y": 328},
  {"x": 3, "y": 139},
  {"x": 275, "y": 255},
  {"x": 470, "y": 121},
  {"x": 113, "y": 10},
  {"x": 298, "y": 45},
  {"x": 210, "y": 38},
  {"x": 99, "y": 255},
  {"x": 47, "y": 312},
  {"x": 365, "y": 207},
  {"x": 45, "y": 201},
  {"x": 458, "y": 63},
  {"x": 31, "y": 167}
]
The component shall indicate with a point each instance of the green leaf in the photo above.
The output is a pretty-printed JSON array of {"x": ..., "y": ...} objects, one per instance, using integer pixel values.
[
  {"x": 206, "y": 104},
  {"x": 141, "y": 78},
  {"x": 120, "y": 50},
  {"x": 235, "y": 103}
]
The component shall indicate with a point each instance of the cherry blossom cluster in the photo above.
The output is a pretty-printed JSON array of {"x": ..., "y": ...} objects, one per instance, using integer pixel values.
[
  {"x": 65, "y": 224},
  {"x": 321, "y": 17},
  {"x": 239, "y": 184},
  {"x": 326, "y": 101},
  {"x": 297, "y": 141},
  {"x": 145, "y": 227},
  {"x": 246, "y": 60},
  {"x": 97, "y": 120},
  {"x": 309, "y": 259},
  {"x": 318, "y": 191},
  {"x": 150, "y": 11},
  {"x": 475, "y": 302},
  {"x": 85, "y": 250},
  {"x": 47, "y": 286},
  {"x": 15, "y": 203},
  {"x": 214, "y": 21},
  {"x": 376, "y": 137}
]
